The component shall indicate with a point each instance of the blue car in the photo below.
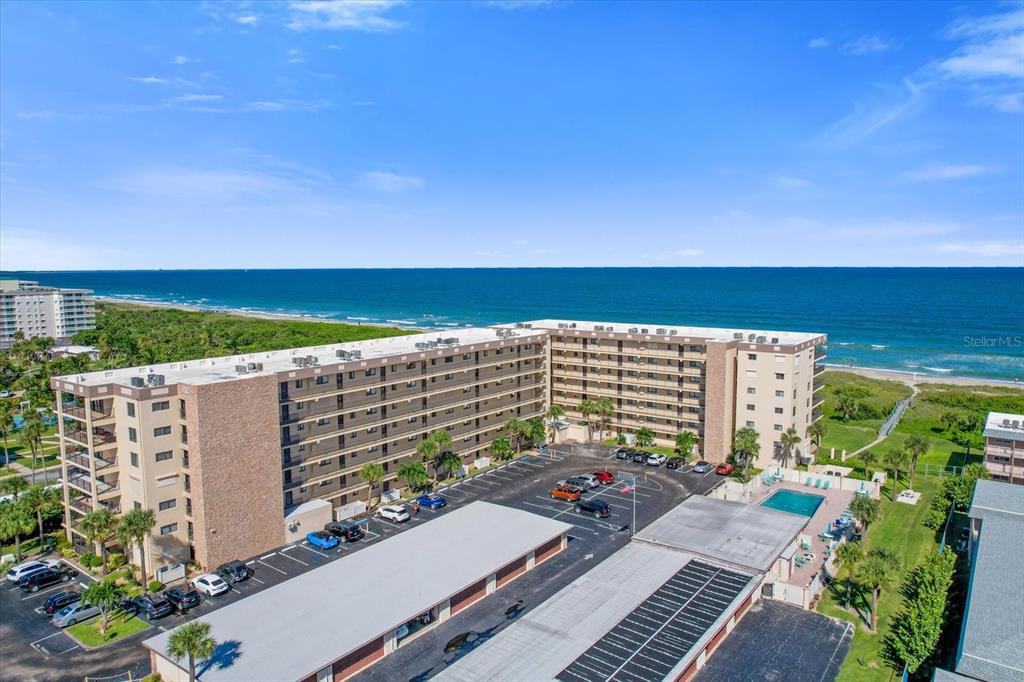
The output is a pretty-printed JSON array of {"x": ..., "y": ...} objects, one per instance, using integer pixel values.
[
  {"x": 322, "y": 539},
  {"x": 431, "y": 501}
]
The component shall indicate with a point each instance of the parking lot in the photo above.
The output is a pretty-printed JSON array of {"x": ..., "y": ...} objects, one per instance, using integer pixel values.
[{"x": 32, "y": 649}]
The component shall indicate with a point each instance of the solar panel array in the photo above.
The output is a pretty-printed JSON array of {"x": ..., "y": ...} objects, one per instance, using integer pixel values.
[{"x": 648, "y": 643}]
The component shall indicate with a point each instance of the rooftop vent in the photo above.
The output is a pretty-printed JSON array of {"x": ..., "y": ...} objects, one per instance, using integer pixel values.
[
  {"x": 762, "y": 339},
  {"x": 737, "y": 336},
  {"x": 528, "y": 325},
  {"x": 563, "y": 325},
  {"x": 520, "y": 325},
  {"x": 775, "y": 339},
  {"x": 241, "y": 369},
  {"x": 633, "y": 330},
  {"x": 420, "y": 345},
  {"x": 598, "y": 327},
  {"x": 155, "y": 379},
  {"x": 661, "y": 330},
  {"x": 137, "y": 382},
  {"x": 751, "y": 337},
  {"x": 356, "y": 354},
  {"x": 343, "y": 354}
]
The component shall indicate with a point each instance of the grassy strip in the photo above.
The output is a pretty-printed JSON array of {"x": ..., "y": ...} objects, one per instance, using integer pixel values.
[{"x": 121, "y": 626}]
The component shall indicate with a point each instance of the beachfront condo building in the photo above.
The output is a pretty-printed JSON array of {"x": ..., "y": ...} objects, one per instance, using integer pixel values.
[
  {"x": 222, "y": 448},
  {"x": 1004, "y": 447},
  {"x": 40, "y": 311}
]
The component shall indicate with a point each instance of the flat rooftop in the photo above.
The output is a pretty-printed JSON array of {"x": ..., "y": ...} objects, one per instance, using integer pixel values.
[
  {"x": 678, "y": 332},
  {"x": 995, "y": 498},
  {"x": 743, "y": 535},
  {"x": 1003, "y": 425},
  {"x": 209, "y": 370},
  {"x": 294, "y": 629}
]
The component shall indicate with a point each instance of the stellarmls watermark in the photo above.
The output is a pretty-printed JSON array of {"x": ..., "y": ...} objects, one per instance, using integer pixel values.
[{"x": 994, "y": 341}]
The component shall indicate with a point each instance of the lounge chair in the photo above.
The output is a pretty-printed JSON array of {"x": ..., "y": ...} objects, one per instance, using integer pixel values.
[
  {"x": 805, "y": 543},
  {"x": 808, "y": 481},
  {"x": 778, "y": 473},
  {"x": 826, "y": 484},
  {"x": 817, "y": 483},
  {"x": 799, "y": 560}
]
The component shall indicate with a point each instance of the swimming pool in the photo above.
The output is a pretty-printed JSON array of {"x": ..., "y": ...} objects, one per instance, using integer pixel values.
[{"x": 794, "y": 502}]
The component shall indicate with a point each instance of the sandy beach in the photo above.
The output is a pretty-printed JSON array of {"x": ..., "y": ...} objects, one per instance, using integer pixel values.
[{"x": 912, "y": 378}]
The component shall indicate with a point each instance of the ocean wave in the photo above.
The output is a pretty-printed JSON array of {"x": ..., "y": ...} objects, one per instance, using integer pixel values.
[
  {"x": 878, "y": 346},
  {"x": 941, "y": 370},
  {"x": 401, "y": 321},
  {"x": 361, "y": 319}
]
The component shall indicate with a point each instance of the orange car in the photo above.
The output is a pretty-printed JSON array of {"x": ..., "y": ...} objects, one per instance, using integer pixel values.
[{"x": 569, "y": 493}]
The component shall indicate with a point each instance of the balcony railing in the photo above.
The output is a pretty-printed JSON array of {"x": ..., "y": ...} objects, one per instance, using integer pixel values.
[
  {"x": 85, "y": 483},
  {"x": 82, "y": 459},
  {"x": 99, "y": 436},
  {"x": 818, "y": 369},
  {"x": 84, "y": 505}
]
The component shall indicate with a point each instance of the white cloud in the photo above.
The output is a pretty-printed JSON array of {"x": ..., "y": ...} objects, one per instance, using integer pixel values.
[
  {"x": 866, "y": 45},
  {"x": 149, "y": 80},
  {"x": 295, "y": 57},
  {"x": 990, "y": 59},
  {"x": 948, "y": 171},
  {"x": 31, "y": 250},
  {"x": 286, "y": 105},
  {"x": 352, "y": 15},
  {"x": 985, "y": 249},
  {"x": 519, "y": 4},
  {"x": 481, "y": 253},
  {"x": 1002, "y": 56},
  {"x": 540, "y": 252},
  {"x": 520, "y": 242},
  {"x": 790, "y": 182},
  {"x": 182, "y": 59},
  {"x": 246, "y": 19},
  {"x": 689, "y": 253},
  {"x": 383, "y": 181},
  {"x": 866, "y": 120},
  {"x": 818, "y": 43},
  {"x": 196, "y": 97},
  {"x": 1009, "y": 103},
  {"x": 202, "y": 185}
]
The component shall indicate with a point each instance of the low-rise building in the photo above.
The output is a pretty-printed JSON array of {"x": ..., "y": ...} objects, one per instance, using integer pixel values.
[
  {"x": 1004, "y": 447},
  {"x": 40, "y": 311}
]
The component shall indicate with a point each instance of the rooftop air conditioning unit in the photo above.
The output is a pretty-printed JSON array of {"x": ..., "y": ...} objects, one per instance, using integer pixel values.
[
  {"x": 751, "y": 337},
  {"x": 572, "y": 325},
  {"x": 775, "y": 339},
  {"x": 356, "y": 354},
  {"x": 661, "y": 331},
  {"x": 562, "y": 325},
  {"x": 528, "y": 325},
  {"x": 452, "y": 340},
  {"x": 255, "y": 366},
  {"x": 241, "y": 369},
  {"x": 738, "y": 336},
  {"x": 155, "y": 379},
  {"x": 633, "y": 330},
  {"x": 520, "y": 325},
  {"x": 299, "y": 362},
  {"x": 421, "y": 345},
  {"x": 137, "y": 382},
  {"x": 762, "y": 339},
  {"x": 609, "y": 329},
  {"x": 343, "y": 354},
  {"x": 1006, "y": 423}
]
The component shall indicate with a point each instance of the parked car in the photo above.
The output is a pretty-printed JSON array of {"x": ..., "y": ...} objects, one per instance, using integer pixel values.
[
  {"x": 623, "y": 453},
  {"x": 604, "y": 477},
  {"x": 724, "y": 469},
  {"x": 234, "y": 571},
  {"x": 322, "y": 539},
  {"x": 656, "y": 460},
  {"x": 598, "y": 508},
  {"x": 16, "y": 573},
  {"x": 582, "y": 481},
  {"x": 74, "y": 613},
  {"x": 152, "y": 606},
  {"x": 702, "y": 467},
  {"x": 211, "y": 584},
  {"x": 394, "y": 512},
  {"x": 639, "y": 457},
  {"x": 55, "y": 602},
  {"x": 566, "y": 492},
  {"x": 37, "y": 580},
  {"x": 183, "y": 598},
  {"x": 431, "y": 501},
  {"x": 674, "y": 463},
  {"x": 347, "y": 531}
]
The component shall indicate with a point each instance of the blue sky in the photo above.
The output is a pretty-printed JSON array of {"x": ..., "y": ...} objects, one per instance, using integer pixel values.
[{"x": 326, "y": 134}]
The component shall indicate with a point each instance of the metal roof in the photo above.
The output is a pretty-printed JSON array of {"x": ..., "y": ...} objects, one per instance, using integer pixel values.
[
  {"x": 294, "y": 629},
  {"x": 997, "y": 498}
]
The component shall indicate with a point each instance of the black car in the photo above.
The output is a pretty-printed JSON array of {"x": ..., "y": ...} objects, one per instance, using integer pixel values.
[
  {"x": 233, "y": 572},
  {"x": 640, "y": 457},
  {"x": 596, "y": 507},
  {"x": 673, "y": 463},
  {"x": 50, "y": 576},
  {"x": 622, "y": 453},
  {"x": 183, "y": 598},
  {"x": 152, "y": 606},
  {"x": 55, "y": 602},
  {"x": 345, "y": 530}
]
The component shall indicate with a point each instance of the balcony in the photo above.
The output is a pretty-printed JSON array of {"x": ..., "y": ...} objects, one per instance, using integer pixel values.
[
  {"x": 99, "y": 436},
  {"x": 819, "y": 353},
  {"x": 82, "y": 458},
  {"x": 818, "y": 385},
  {"x": 818, "y": 369},
  {"x": 85, "y": 483},
  {"x": 84, "y": 505}
]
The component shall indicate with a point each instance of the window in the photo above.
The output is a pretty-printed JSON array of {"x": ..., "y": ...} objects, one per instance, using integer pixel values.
[
  {"x": 324, "y": 483},
  {"x": 133, "y": 435},
  {"x": 370, "y": 372},
  {"x": 751, "y": 390},
  {"x": 780, "y": 375},
  {"x": 780, "y": 394},
  {"x": 751, "y": 356},
  {"x": 164, "y": 456},
  {"x": 778, "y": 410},
  {"x": 750, "y": 424},
  {"x": 323, "y": 421},
  {"x": 750, "y": 407},
  {"x": 168, "y": 504},
  {"x": 298, "y": 383},
  {"x": 162, "y": 431},
  {"x": 135, "y": 459},
  {"x": 777, "y": 427},
  {"x": 322, "y": 379},
  {"x": 161, "y": 406},
  {"x": 371, "y": 391},
  {"x": 168, "y": 529},
  {"x": 449, "y": 358},
  {"x": 131, "y": 409}
]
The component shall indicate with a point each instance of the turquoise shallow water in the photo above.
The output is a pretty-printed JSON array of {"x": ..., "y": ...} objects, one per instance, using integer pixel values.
[
  {"x": 940, "y": 321},
  {"x": 794, "y": 502}
]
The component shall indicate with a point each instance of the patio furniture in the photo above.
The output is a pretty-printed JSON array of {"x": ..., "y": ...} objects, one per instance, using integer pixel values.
[
  {"x": 805, "y": 543},
  {"x": 808, "y": 481},
  {"x": 800, "y": 560},
  {"x": 817, "y": 483},
  {"x": 827, "y": 482},
  {"x": 825, "y": 536}
]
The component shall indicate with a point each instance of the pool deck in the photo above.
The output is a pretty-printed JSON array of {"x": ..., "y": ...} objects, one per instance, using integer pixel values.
[{"x": 830, "y": 510}]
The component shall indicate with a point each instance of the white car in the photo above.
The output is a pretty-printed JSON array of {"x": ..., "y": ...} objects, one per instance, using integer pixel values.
[
  {"x": 23, "y": 569},
  {"x": 656, "y": 460},
  {"x": 210, "y": 584},
  {"x": 394, "y": 512}
]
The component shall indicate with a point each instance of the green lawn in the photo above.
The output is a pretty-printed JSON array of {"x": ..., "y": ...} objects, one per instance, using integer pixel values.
[
  {"x": 656, "y": 449},
  {"x": 847, "y": 437},
  {"x": 880, "y": 396},
  {"x": 120, "y": 626}
]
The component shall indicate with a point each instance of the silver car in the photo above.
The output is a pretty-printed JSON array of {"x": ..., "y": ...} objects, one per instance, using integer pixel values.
[
  {"x": 74, "y": 613},
  {"x": 702, "y": 467}
]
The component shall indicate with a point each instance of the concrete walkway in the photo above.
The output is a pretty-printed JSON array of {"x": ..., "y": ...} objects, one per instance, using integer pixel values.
[{"x": 891, "y": 421}]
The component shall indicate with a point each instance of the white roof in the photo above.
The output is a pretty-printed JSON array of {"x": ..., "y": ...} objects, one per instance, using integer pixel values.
[
  {"x": 672, "y": 330},
  {"x": 1004, "y": 425},
  {"x": 291, "y": 630},
  {"x": 209, "y": 370}
]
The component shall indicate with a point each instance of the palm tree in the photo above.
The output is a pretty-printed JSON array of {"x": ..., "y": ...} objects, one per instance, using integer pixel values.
[
  {"x": 534, "y": 431},
  {"x": 588, "y": 408},
  {"x": 414, "y": 474},
  {"x": 817, "y": 431},
  {"x": 13, "y": 485},
  {"x": 850, "y": 554},
  {"x": 99, "y": 527},
  {"x": 877, "y": 571},
  {"x": 745, "y": 448},
  {"x": 917, "y": 446},
  {"x": 895, "y": 460},
  {"x": 789, "y": 439},
  {"x": 644, "y": 437},
  {"x": 105, "y": 595},
  {"x": 7, "y": 410},
  {"x": 41, "y": 499},
  {"x": 866, "y": 511},
  {"x": 501, "y": 449},
  {"x": 685, "y": 441},
  {"x": 848, "y": 407},
  {"x": 554, "y": 413},
  {"x": 428, "y": 449},
  {"x": 31, "y": 437},
  {"x": 134, "y": 528},
  {"x": 604, "y": 408},
  {"x": 514, "y": 431},
  {"x": 15, "y": 521},
  {"x": 372, "y": 473},
  {"x": 192, "y": 640},
  {"x": 449, "y": 462},
  {"x": 868, "y": 459}
]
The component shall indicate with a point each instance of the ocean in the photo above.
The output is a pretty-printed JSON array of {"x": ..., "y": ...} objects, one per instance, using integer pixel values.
[{"x": 940, "y": 321}]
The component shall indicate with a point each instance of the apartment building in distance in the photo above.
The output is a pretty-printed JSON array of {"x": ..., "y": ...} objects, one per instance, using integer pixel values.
[
  {"x": 1004, "y": 447},
  {"x": 41, "y": 311},
  {"x": 219, "y": 448},
  {"x": 670, "y": 378}
]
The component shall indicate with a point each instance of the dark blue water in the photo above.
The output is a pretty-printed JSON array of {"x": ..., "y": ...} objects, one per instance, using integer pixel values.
[{"x": 966, "y": 321}]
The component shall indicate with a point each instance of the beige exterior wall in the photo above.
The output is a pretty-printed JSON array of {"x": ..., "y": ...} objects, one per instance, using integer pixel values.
[
  {"x": 38, "y": 311},
  {"x": 720, "y": 403},
  {"x": 1004, "y": 459}
]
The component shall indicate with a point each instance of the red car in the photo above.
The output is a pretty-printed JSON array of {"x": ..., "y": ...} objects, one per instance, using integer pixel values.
[
  {"x": 724, "y": 469},
  {"x": 604, "y": 477}
]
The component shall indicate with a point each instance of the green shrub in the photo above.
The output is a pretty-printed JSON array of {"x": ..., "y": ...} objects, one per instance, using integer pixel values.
[
  {"x": 61, "y": 539},
  {"x": 155, "y": 586},
  {"x": 115, "y": 560},
  {"x": 90, "y": 560},
  {"x": 68, "y": 553}
]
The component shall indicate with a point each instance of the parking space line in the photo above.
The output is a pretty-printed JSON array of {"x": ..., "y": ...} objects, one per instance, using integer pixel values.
[
  {"x": 289, "y": 556},
  {"x": 48, "y": 589},
  {"x": 56, "y": 634},
  {"x": 267, "y": 556},
  {"x": 252, "y": 577},
  {"x": 274, "y": 568},
  {"x": 307, "y": 547},
  {"x": 386, "y": 522}
]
